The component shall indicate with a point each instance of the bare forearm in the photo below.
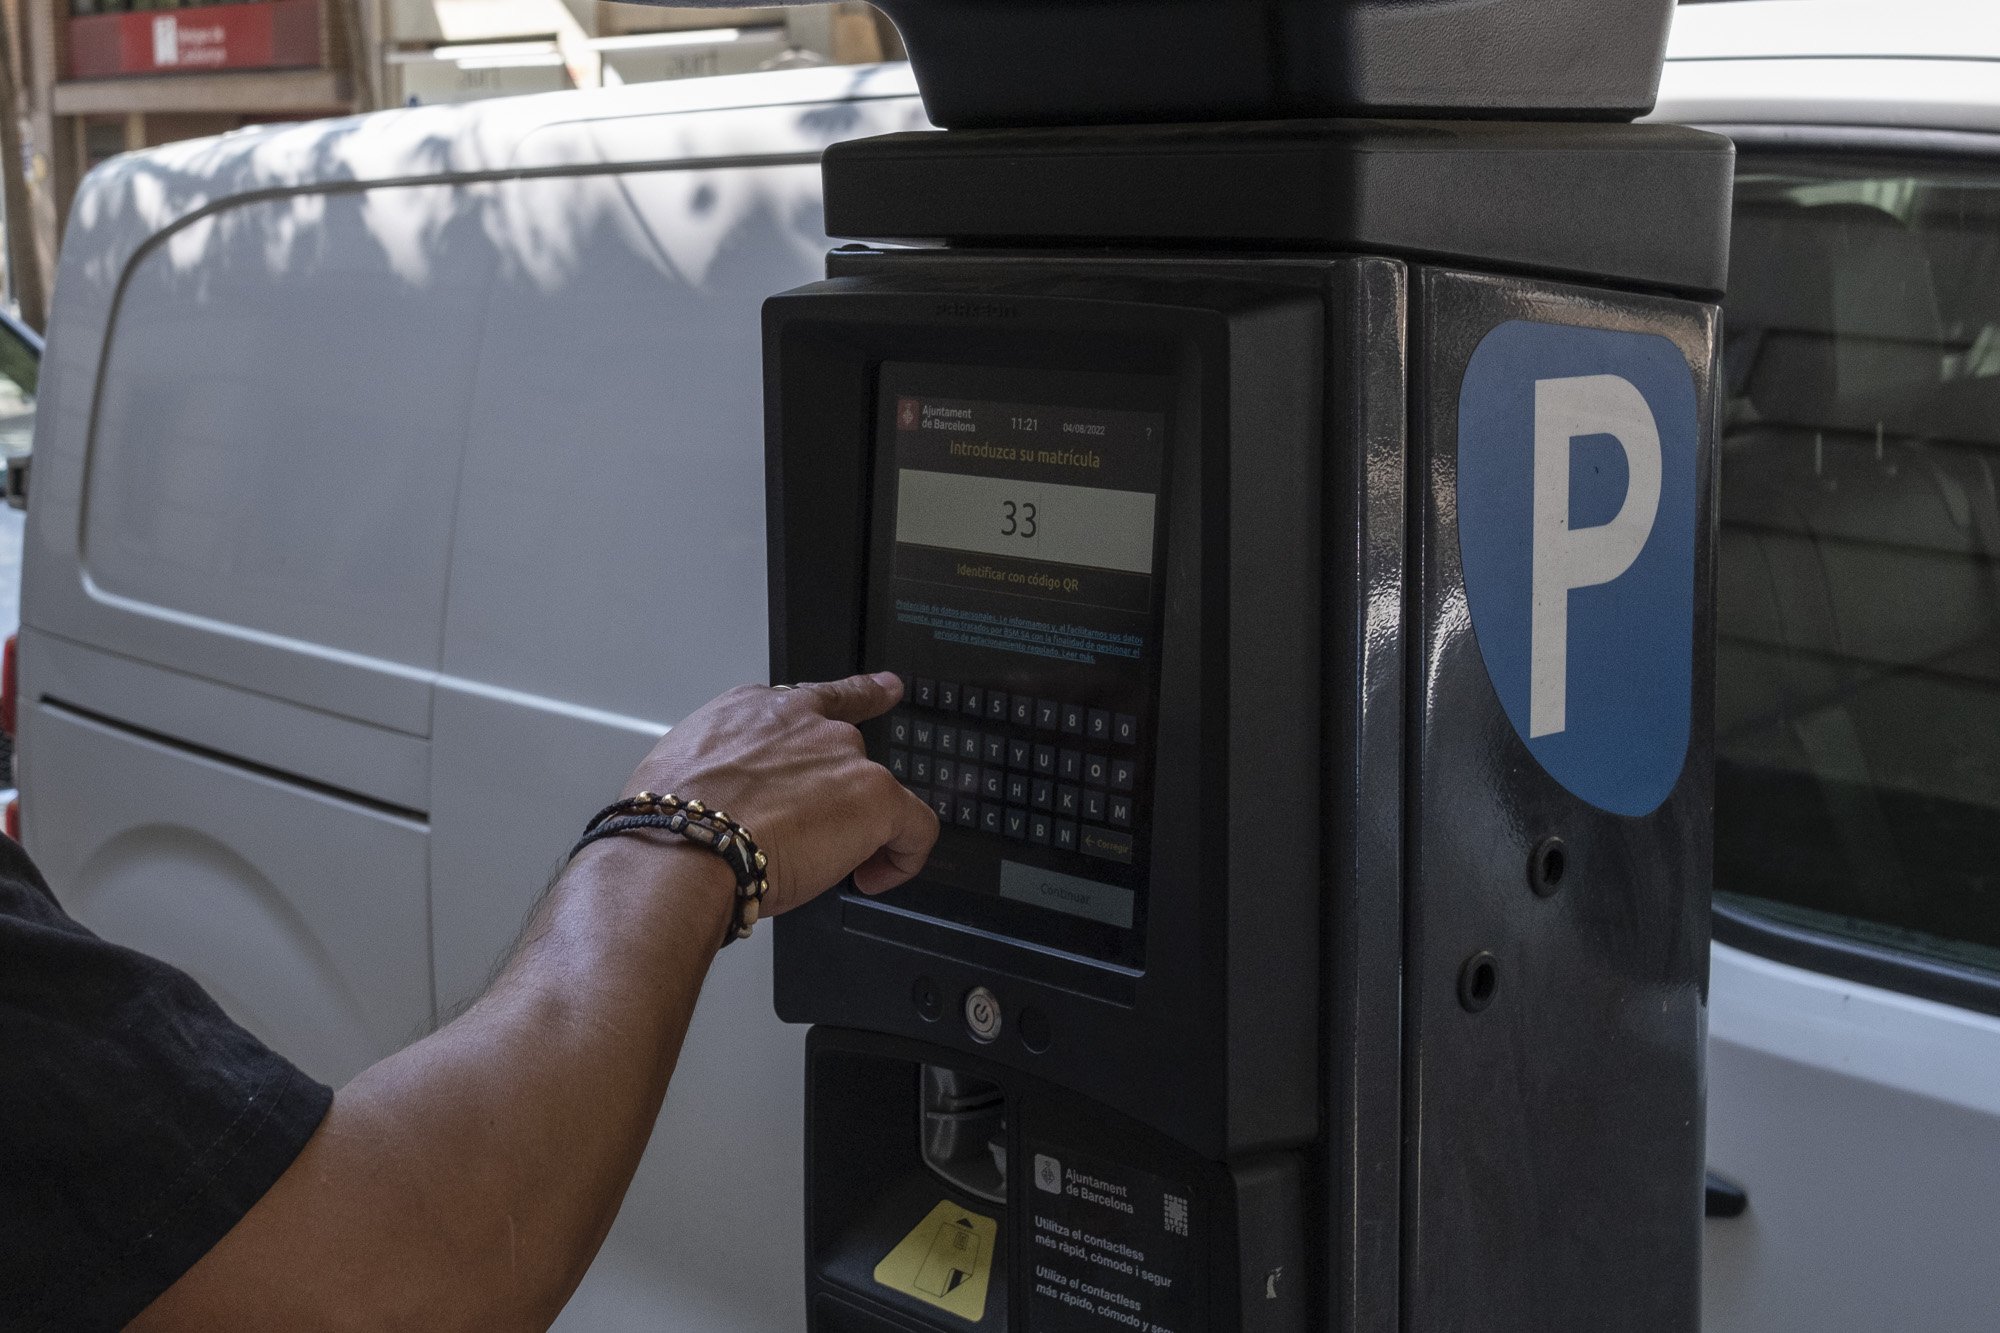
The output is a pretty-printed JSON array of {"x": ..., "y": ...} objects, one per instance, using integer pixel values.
[
  {"x": 467, "y": 1180},
  {"x": 538, "y": 1102}
]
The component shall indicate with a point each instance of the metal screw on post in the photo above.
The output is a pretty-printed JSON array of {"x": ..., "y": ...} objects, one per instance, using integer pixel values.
[
  {"x": 1478, "y": 979},
  {"x": 1547, "y": 864}
]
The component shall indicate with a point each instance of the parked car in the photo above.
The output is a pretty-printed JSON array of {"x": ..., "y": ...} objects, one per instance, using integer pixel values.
[
  {"x": 20, "y": 372},
  {"x": 374, "y": 455},
  {"x": 20, "y": 369},
  {"x": 1854, "y": 1031}
]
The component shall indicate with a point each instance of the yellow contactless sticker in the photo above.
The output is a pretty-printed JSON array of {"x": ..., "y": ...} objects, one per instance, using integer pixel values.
[{"x": 947, "y": 1261}]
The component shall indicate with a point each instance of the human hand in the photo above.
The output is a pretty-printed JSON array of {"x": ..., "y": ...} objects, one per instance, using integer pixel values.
[{"x": 789, "y": 766}]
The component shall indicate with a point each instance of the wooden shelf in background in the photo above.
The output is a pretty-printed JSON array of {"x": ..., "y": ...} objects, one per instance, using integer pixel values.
[{"x": 284, "y": 91}]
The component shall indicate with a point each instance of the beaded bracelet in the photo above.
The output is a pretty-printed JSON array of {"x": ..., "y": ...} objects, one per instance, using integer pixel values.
[{"x": 703, "y": 827}]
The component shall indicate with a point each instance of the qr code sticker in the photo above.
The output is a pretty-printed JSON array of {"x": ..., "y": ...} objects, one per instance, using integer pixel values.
[{"x": 1177, "y": 1215}]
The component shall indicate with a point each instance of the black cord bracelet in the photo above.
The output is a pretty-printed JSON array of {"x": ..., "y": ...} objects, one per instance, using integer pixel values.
[{"x": 711, "y": 829}]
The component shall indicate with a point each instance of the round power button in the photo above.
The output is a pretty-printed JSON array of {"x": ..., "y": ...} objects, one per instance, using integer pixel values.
[{"x": 982, "y": 1014}]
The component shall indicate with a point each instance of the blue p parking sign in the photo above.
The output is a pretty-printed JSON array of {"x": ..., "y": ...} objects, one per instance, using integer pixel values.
[{"x": 1576, "y": 514}]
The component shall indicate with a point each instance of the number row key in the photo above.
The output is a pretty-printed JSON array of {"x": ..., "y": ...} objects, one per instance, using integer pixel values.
[{"x": 974, "y": 701}]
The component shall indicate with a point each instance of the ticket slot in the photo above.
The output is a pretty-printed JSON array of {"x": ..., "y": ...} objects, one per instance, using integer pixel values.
[{"x": 1102, "y": 1222}]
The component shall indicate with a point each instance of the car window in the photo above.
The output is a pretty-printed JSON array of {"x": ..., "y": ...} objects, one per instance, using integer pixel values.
[{"x": 1858, "y": 667}]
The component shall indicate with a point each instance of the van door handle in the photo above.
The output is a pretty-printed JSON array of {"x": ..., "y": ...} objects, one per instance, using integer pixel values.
[{"x": 1724, "y": 1198}]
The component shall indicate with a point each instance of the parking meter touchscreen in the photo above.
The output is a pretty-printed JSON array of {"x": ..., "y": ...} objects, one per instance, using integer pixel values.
[{"x": 1014, "y": 584}]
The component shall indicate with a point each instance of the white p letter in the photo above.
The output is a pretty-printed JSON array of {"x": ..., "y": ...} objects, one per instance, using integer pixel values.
[{"x": 1584, "y": 557}]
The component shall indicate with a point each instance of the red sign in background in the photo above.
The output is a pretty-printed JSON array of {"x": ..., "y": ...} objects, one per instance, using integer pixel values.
[{"x": 278, "y": 34}]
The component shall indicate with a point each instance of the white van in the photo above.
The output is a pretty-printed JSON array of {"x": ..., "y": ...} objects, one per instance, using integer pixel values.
[
  {"x": 400, "y": 478},
  {"x": 398, "y": 481}
]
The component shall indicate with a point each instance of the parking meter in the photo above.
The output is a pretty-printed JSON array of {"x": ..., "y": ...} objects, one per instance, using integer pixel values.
[{"x": 1295, "y": 538}]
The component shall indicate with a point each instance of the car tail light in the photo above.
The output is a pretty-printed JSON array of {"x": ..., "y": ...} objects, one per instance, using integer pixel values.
[{"x": 8, "y": 679}]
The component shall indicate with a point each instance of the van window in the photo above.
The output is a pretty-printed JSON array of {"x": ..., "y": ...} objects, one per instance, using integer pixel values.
[
  {"x": 1858, "y": 671},
  {"x": 283, "y": 409}
]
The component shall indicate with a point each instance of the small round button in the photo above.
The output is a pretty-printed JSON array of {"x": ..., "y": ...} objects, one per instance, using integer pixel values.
[
  {"x": 924, "y": 993},
  {"x": 1033, "y": 1025},
  {"x": 982, "y": 1014}
]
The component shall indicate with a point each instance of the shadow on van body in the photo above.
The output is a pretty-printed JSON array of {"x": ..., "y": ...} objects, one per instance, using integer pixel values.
[{"x": 465, "y": 473}]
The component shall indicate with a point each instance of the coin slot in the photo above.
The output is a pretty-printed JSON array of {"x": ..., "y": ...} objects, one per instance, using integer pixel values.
[{"x": 964, "y": 1127}]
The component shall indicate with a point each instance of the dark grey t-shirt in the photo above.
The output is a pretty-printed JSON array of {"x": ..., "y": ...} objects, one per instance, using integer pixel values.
[{"x": 137, "y": 1122}]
